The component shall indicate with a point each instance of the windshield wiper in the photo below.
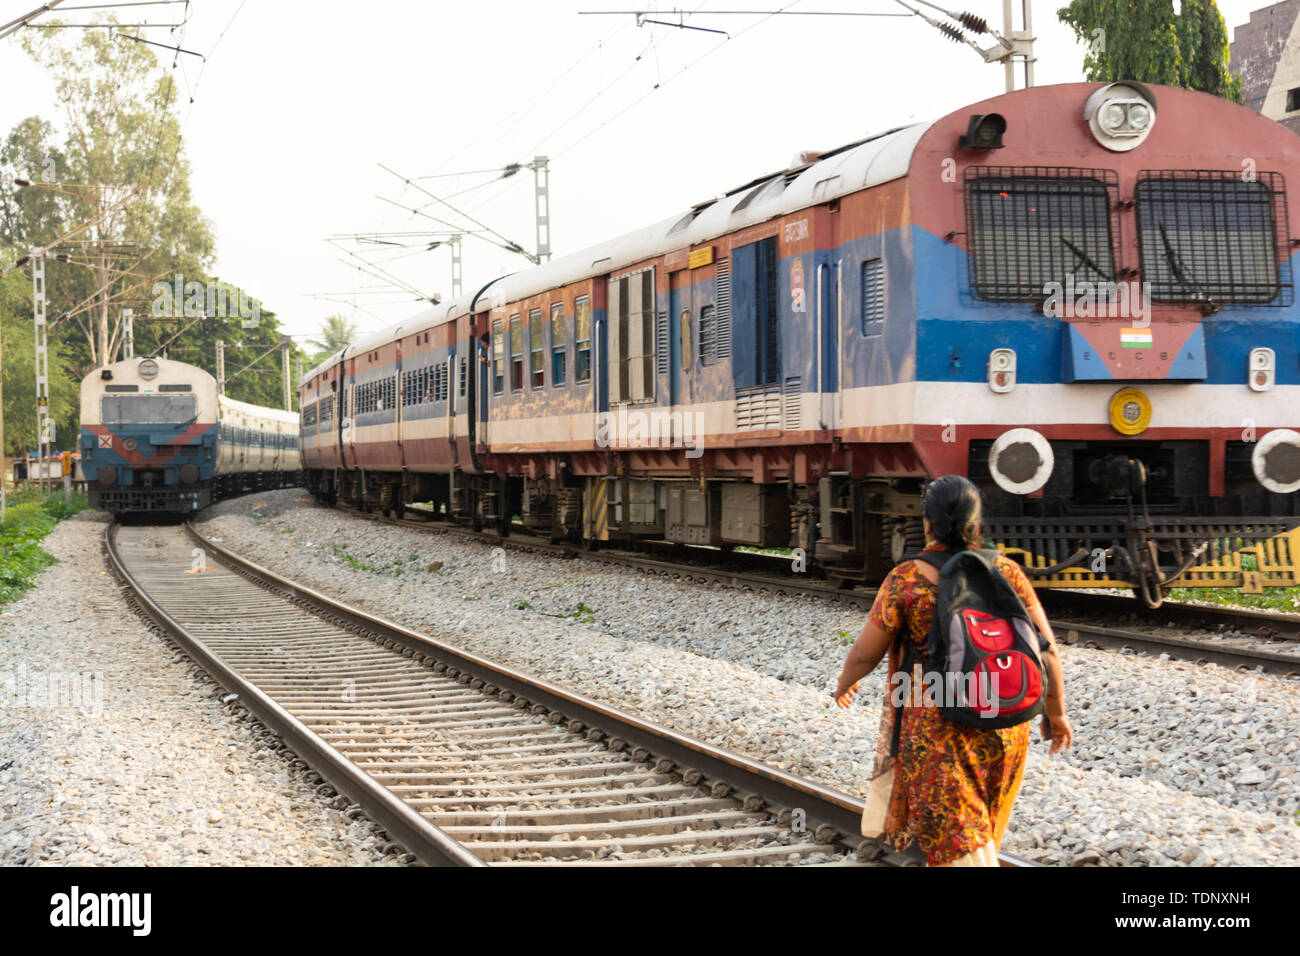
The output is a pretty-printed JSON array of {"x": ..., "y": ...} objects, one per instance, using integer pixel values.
[
  {"x": 1180, "y": 273},
  {"x": 1086, "y": 259}
]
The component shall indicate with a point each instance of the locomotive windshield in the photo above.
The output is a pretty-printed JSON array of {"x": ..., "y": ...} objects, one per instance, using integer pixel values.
[
  {"x": 1209, "y": 236},
  {"x": 147, "y": 409},
  {"x": 1033, "y": 227}
]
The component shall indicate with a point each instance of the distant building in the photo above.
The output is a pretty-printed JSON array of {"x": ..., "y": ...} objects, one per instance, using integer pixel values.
[{"x": 1265, "y": 53}]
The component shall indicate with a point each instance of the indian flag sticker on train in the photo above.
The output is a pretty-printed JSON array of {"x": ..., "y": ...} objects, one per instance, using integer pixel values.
[{"x": 1135, "y": 338}]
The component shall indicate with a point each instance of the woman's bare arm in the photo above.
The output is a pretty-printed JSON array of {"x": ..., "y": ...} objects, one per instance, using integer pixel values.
[
  {"x": 1059, "y": 729},
  {"x": 867, "y": 651}
]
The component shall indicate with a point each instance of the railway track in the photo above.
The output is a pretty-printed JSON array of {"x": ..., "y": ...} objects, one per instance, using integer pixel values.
[
  {"x": 1271, "y": 644},
  {"x": 465, "y": 762}
]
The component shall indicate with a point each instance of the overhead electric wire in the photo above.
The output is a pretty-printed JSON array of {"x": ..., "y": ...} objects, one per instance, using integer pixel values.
[
  {"x": 594, "y": 48},
  {"x": 659, "y": 86},
  {"x": 509, "y": 243}
]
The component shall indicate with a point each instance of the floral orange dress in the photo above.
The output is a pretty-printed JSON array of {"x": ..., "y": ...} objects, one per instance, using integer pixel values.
[{"x": 951, "y": 787}]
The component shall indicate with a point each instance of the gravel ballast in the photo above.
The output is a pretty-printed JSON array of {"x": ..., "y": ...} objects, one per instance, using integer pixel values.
[
  {"x": 1174, "y": 763},
  {"x": 142, "y": 764}
]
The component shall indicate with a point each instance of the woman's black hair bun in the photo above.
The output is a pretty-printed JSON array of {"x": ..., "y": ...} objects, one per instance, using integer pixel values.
[{"x": 953, "y": 508}]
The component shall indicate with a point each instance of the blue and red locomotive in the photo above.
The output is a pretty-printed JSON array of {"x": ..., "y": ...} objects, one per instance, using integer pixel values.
[
  {"x": 157, "y": 438},
  {"x": 1079, "y": 296}
]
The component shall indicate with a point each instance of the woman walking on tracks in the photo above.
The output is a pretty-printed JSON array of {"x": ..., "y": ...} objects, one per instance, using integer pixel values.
[{"x": 941, "y": 779}]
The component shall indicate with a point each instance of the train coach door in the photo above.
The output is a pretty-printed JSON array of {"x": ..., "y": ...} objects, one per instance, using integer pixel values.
[
  {"x": 830, "y": 315},
  {"x": 828, "y": 320},
  {"x": 679, "y": 302}
]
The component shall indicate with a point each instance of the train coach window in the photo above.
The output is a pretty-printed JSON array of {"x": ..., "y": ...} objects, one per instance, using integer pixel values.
[
  {"x": 873, "y": 297},
  {"x": 516, "y": 353},
  {"x": 147, "y": 409},
  {"x": 326, "y": 408},
  {"x": 439, "y": 387},
  {"x": 559, "y": 354},
  {"x": 1209, "y": 237},
  {"x": 536, "y": 358},
  {"x": 498, "y": 360},
  {"x": 582, "y": 342},
  {"x": 1031, "y": 227}
]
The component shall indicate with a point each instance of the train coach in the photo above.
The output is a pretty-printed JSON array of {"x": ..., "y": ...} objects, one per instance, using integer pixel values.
[
  {"x": 157, "y": 438},
  {"x": 1079, "y": 296}
]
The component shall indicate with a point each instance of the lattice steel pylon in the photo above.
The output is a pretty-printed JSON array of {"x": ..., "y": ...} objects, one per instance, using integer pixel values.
[{"x": 44, "y": 424}]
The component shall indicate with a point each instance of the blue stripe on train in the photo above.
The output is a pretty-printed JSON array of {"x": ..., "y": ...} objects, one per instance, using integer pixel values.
[{"x": 200, "y": 451}]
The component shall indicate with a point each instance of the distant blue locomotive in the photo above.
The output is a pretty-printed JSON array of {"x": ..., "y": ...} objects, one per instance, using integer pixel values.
[{"x": 156, "y": 437}]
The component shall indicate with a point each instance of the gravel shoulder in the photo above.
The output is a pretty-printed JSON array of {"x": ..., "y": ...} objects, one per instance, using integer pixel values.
[
  {"x": 1174, "y": 763},
  {"x": 114, "y": 751}
]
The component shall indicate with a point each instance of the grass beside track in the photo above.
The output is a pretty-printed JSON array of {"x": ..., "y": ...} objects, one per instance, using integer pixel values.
[
  {"x": 1286, "y": 600},
  {"x": 28, "y": 519}
]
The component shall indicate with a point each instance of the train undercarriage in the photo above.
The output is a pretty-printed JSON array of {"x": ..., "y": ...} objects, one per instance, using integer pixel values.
[
  {"x": 1135, "y": 516},
  {"x": 149, "y": 494}
]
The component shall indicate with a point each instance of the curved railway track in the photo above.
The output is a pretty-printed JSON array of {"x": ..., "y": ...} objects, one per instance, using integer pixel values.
[
  {"x": 1271, "y": 642},
  {"x": 465, "y": 762}
]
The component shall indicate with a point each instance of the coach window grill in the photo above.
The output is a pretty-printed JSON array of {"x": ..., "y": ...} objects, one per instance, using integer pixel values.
[
  {"x": 1031, "y": 226},
  {"x": 1213, "y": 237}
]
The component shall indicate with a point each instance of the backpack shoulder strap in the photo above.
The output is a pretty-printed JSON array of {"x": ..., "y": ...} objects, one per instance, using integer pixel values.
[{"x": 936, "y": 559}]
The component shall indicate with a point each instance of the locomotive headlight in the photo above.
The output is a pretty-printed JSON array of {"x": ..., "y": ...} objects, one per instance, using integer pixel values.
[
  {"x": 1120, "y": 115},
  {"x": 1021, "y": 461},
  {"x": 147, "y": 368}
]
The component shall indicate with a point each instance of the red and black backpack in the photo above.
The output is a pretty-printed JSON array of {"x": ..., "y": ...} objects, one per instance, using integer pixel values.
[{"x": 983, "y": 657}]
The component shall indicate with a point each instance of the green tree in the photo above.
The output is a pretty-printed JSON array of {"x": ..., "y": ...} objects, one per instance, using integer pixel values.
[
  {"x": 1146, "y": 41},
  {"x": 121, "y": 139},
  {"x": 19, "y": 371},
  {"x": 1203, "y": 43},
  {"x": 336, "y": 333}
]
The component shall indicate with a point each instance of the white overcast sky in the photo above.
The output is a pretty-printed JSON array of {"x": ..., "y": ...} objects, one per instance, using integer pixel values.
[{"x": 298, "y": 102}]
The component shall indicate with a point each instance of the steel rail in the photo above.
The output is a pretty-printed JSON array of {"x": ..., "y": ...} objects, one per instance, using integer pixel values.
[
  {"x": 1273, "y": 626},
  {"x": 824, "y": 807},
  {"x": 831, "y": 816},
  {"x": 426, "y": 841},
  {"x": 1180, "y": 648}
]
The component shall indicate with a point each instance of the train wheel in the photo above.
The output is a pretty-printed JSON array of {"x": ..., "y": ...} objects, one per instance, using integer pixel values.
[{"x": 399, "y": 506}]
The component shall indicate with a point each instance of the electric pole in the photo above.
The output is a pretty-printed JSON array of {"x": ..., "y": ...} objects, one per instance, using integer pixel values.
[
  {"x": 285, "y": 342},
  {"x": 1015, "y": 43},
  {"x": 128, "y": 333},
  {"x": 455, "y": 266},
  {"x": 103, "y": 286},
  {"x": 221, "y": 367},
  {"x": 44, "y": 425},
  {"x": 542, "y": 203}
]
